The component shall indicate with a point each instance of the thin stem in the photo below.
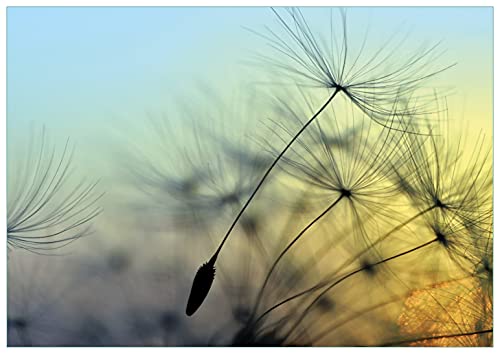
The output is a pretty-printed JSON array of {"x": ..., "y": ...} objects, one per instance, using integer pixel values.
[
  {"x": 290, "y": 244},
  {"x": 204, "y": 277},
  {"x": 354, "y": 273},
  {"x": 356, "y": 315},
  {"x": 324, "y": 283},
  {"x": 326, "y": 250},
  {"x": 435, "y": 337},
  {"x": 268, "y": 171}
]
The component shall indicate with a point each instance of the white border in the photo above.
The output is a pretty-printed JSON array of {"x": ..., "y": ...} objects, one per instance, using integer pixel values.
[{"x": 421, "y": 3}]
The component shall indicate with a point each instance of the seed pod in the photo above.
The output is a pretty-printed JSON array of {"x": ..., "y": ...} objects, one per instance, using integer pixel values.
[{"x": 201, "y": 286}]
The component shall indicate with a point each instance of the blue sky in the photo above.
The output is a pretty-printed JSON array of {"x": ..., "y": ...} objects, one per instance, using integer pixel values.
[{"x": 79, "y": 69}]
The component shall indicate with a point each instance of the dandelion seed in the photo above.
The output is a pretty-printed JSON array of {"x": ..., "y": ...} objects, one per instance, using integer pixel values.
[
  {"x": 370, "y": 81},
  {"x": 197, "y": 170},
  {"x": 42, "y": 216},
  {"x": 446, "y": 173},
  {"x": 455, "y": 240}
]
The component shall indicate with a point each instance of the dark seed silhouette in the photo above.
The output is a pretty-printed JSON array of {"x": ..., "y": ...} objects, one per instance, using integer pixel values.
[{"x": 201, "y": 285}]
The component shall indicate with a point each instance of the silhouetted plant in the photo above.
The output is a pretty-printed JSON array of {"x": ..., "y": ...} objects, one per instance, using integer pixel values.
[
  {"x": 45, "y": 212},
  {"x": 375, "y": 229},
  {"x": 359, "y": 174},
  {"x": 370, "y": 81},
  {"x": 455, "y": 231},
  {"x": 362, "y": 85},
  {"x": 449, "y": 173},
  {"x": 199, "y": 171}
]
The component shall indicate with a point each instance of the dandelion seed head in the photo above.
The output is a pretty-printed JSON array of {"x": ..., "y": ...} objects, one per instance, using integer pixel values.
[
  {"x": 18, "y": 323},
  {"x": 169, "y": 320},
  {"x": 250, "y": 224},
  {"x": 118, "y": 261},
  {"x": 448, "y": 171},
  {"x": 371, "y": 81},
  {"x": 368, "y": 268},
  {"x": 326, "y": 304},
  {"x": 248, "y": 337},
  {"x": 195, "y": 165},
  {"x": 242, "y": 313},
  {"x": 460, "y": 252},
  {"x": 47, "y": 209}
]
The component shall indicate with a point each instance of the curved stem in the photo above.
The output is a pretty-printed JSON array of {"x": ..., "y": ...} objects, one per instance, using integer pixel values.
[
  {"x": 353, "y": 273},
  {"x": 270, "y": 168},
  {"x": 358, "y": 314},
  {"x": 290, "y": 244},
  {"x": 324, "y": 283},
  {"x": 382, "y": 238}
]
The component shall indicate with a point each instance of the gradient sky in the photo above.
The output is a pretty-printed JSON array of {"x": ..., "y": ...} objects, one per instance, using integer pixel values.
[{"x": 83, "y": 71}]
